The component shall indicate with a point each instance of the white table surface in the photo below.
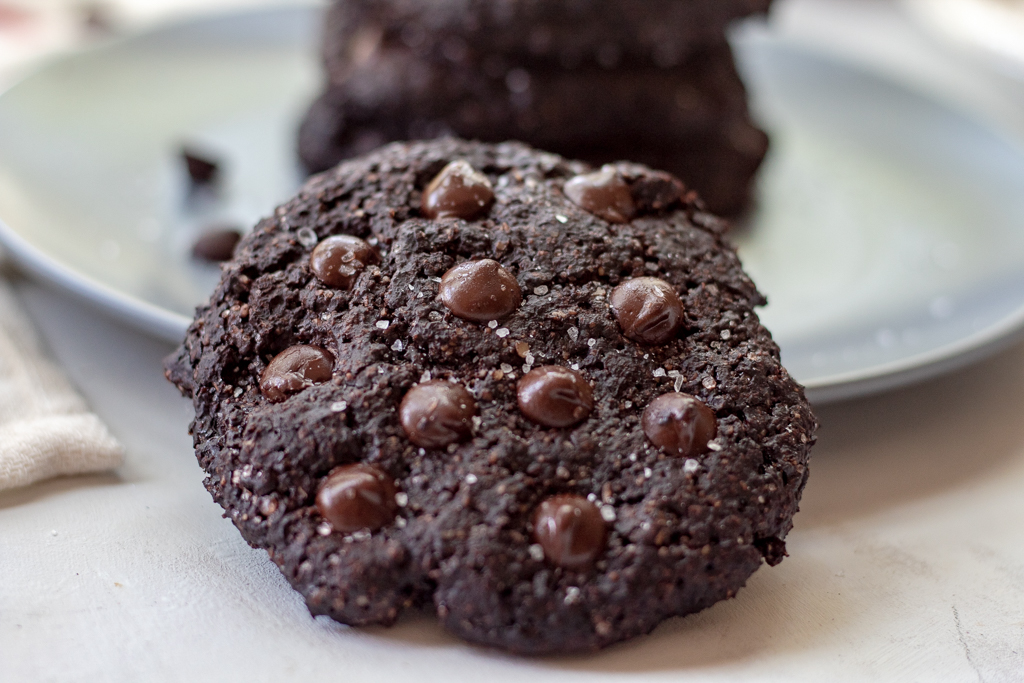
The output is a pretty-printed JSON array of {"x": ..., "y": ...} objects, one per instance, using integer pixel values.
[{"x": 907, "y": 560}]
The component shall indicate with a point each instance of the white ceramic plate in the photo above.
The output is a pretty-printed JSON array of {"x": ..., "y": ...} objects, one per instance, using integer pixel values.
[
  {"x": 887, "y": 236},
  {"x": 993, "y": 29}
]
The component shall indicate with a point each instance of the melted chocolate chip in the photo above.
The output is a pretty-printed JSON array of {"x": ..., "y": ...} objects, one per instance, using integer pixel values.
[
  {"x": 480, "y": 291},
  {"x": 570, "y": 530},
  {"x": 216, "y": 244},
  {"x": 648, "y": 309},
  {"x": 337, "y": 260},
  {"x": 603, "y": 193},
  {"x": 679, "y": 423},
  {"x": 458, "y": 191},
  {"x": 555, "y": 396},
  {"x": 355, "y": 497},
  {"x": 437, "y": 413},
  {"x": 202, "y": 170},
  {"x": 294, "y": 369}
]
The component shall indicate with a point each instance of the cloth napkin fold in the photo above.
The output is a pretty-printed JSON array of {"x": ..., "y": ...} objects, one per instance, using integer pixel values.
[{"x": 46, "y": 430}]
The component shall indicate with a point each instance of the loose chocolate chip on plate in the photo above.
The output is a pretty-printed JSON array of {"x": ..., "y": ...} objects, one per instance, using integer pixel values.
[
  {"x": 648, "y": 309},
  {"x": 355, "y": 497},
  {"x": 555, "y": 396},
  {"x": 681, "y": 424},
  {"x": 458, "y": 191},
  {"x": 437, "y": 413},
  {"x": 201, "y": 169},
  {"x": 294, "y": 369},
  {"x": 603, "y": 193},
  {"x": 337, "y": 260},
  {"x": 216, "y": 244},
  {"x": 570, "y": 529},
  {"x": 480, "y": 291}
]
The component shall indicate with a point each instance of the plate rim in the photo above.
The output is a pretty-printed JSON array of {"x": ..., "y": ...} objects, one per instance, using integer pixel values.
[{"x": 171, "y": 327}]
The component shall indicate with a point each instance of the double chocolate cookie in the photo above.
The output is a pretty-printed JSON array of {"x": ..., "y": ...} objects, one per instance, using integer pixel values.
[
  {"x": 600, "y": 80},
  {"x": 529, "y": 395}
]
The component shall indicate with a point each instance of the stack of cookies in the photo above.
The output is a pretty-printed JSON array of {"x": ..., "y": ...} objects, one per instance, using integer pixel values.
[{"x": 600, "y": 80}]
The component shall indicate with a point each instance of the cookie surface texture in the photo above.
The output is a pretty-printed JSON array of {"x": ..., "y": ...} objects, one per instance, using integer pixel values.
[{"x": 561, "y": 528}]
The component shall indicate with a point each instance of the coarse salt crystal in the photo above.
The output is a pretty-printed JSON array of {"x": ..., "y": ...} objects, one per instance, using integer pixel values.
[
  {"x": 648, "y": 472},
  {"x": 591, "y": 342},
  {"x": 608, "y": 513},
  {"x": 537, "y": 552},
  {"x": 425, "y": 377},
  {"x": 575, "y": 366},
  {"x": 691, "y": 466},
  {"x": 541, "y": 290},
  {"x": 506, "y": 368},
  {"x": 561, "y": 219},
  {"x": 714, "y": 446},
  {"x": 502, "y": 332},
  {"x": 574, "y": 333},
  {"x": 678, "y": 383},
  {"x": 471, "y": 478},
  {"x": 401, "y": 499},
  {"x": 399, "y": 345},
  {"x": 383, "y": 324},
  {"x": 660, "y": 372},
  {"x": 306, "y": 237},
  {"x": 492, "y": 324},
  {"x": 572, "y": 595},
  {"x": 339, "y": 406}
]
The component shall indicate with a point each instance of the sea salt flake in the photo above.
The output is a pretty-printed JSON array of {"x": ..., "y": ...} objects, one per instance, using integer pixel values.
[
  {"x": 435, "y": 279},
  {"x": 648, "y": 472},
  {"x": 435, "y": 316},
  {"x": 660, "y": 372},
  {"x": 572, "y": 595},
  {"x": 339, "y": 406},
  {"x": 324, "y": 528},
  {"x": 541, "y": 290},
  {"x": 726, "y": 334},
  {"x": 591, "y": 342},
  {"x": 575, "y": 366},
  {"x": 537, "y": 552},
  {"x": 690, "y": 466},
  {"x": 238, "y": 391},
  {"x": 399, "y": 345},
  {"x": 526, "y": 368},
  {"x": 608, "y": 513},
  {"x": 471, "y": 478},
  {"x": 400, "y": 522},
  {"x": 561, "y": 219},
  {"x": 529, "y": 358},
  {"x": 574, "y": 333},
  {"x": 591, "y": 497},
  {"x": 361, "y": 535},
  {"x": 306, "y": 237},
  {"x": 678, "y": 383},
  {"x": 383, "y": 324},
  {"x": 709, "y": 382},
  {"x": 502, "y": 332},
  {"x": 714, "y": 446},
  {"x": 627, "y": 404},
  {"x": 401, "y": 499},
  {"x": 477, "y": 421},
  {"x": 492, "y": 324},
  {"x": 506, "y": 368}
]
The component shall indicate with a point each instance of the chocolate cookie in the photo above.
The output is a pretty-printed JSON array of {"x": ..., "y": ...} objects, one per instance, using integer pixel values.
[
  {"x": 558, "y": 33},
  {"x": 527, "y": 395},
  {"x": 691, "y": 119}
]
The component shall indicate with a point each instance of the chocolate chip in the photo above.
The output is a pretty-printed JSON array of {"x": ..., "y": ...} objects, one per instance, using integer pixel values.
[
  {"x": 355, "y": 497},
  {"x": 437, "y": 413},
  {"x": 202, "y": 170},
  {"x": 458, "y": 191},
  {"x": 480, "y": 291},
  {"x": 648, "y": 309},
  {"x": 294, "y": 369},
  {"x": 603, "y": 193},
  {"x": 570, "y": 529},
  {"x": 679, "y": 423},
  {"x": 337, "y": 260},
  {"x": 655, "y": 191},
  {"x": 216, "y": 244},
  {"x": 555, "y": 396}
]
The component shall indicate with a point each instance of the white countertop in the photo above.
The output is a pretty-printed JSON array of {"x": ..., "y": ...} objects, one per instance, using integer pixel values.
[{"x": 906, "y": 563}]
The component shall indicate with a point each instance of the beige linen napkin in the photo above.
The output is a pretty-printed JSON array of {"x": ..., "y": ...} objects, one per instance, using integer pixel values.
[{"x": 46, "y": 430}]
